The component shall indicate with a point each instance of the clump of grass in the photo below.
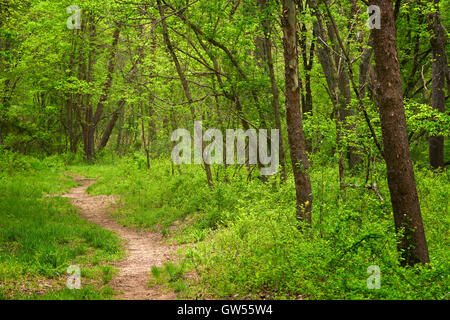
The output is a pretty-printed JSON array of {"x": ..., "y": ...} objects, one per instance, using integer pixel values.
[
  {"x": 40, "y": 237},
  {"x": 171, "y": 274}
]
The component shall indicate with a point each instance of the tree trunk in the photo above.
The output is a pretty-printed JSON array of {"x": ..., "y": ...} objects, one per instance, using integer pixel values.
[
  {"x": 300, "y": 164},
  {"x": 307, "y": 103},
  {"x": 120, "y": 129},
  {"x": 184, "y": 83},
  {"x": 400, "y": 173},
  {"x": 144, "y": 140},
  {"x": 438, "y": 41},
  {"x": 92, "y": 120},
  {"x": 273, "y": 82},
  {"x": 335, "y": 83},
  {"x": 110, "y": 126}
]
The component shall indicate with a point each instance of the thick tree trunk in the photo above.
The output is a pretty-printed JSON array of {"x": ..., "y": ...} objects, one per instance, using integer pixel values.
[
  {"x": 300, "y": 164},
  {"x": 132, "y": 74},
  {"x": 438, "y": 41},
  {"x": 400, "y": 173},
  {"x": 92, "y": 120},
  {"x": 110, "y": 126}
]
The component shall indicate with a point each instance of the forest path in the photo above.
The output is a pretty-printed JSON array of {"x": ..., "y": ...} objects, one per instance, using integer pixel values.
[{"x": 143, "y": 249}]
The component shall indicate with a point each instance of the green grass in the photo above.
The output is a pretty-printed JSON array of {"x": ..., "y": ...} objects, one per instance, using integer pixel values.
[
  {"x": 40, "y": 237},
  {"x": 245, "y": 238},
  {"x": 149, "y": 200}
]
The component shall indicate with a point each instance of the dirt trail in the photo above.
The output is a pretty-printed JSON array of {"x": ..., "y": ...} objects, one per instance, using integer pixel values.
[{"x": 143, "y": 249}]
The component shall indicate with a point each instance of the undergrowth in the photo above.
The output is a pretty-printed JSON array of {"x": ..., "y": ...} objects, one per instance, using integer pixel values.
[
  {"x": 41, "y": 236},
  {"x": 245, "y": 239}
]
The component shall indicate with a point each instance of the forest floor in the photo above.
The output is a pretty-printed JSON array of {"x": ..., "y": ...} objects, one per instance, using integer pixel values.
[
  {"x": 139, "y": 234},
  {"x": 144, "y": 249}
]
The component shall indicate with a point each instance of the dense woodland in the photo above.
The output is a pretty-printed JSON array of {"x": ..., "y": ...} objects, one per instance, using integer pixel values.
[{"x": 359, "y": 100}]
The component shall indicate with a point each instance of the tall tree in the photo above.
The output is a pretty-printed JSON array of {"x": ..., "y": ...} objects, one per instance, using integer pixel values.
[
  {"x": 296, "y": 137},
  {"x": 439, "y": 69},
  {"x": 267, "y": 48},
  {"x": 92, "y": 123},
  {"x": 184, "y": 82},
  {"x": 400, "y": 173}
]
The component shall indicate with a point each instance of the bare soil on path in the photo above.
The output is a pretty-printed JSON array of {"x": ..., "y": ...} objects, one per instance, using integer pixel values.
[{"x": 143, "y": 249}]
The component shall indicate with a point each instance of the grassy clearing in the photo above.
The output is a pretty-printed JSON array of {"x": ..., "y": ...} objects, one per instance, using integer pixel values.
[
  {"x": 246, "y": 243},
  {"x": 40, "y": 237}
]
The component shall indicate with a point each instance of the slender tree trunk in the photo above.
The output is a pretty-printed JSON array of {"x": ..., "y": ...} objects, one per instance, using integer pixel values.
[
  {"x": 151, "y": 123},
  {"x": 364, "y": 67},
  {"x": 335, "y": 83},
  {"x": 70, "y": 124},
  {"x": 1, "y": 105},
  {"x": 174, "y": 125},
  {"x": 69, "y": 103},
  {"x": 88, "y": 129},
  {"x": 144, "y": 140},
  {"x": 438, "y": 41},
  {"x": 273, "y": 82},
  {"x": 307, "y": 101},
  {"x": 120, "y": 129},
  {"x": 300, "y": 163},
  {"x": 184, "y": 83},
  {"x": 400, "y": 173}
]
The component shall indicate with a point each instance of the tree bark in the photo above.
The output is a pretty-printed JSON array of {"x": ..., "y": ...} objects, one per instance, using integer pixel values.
[
  {"x": 400, "y": 173},
  {"x": 307, "y": 102},
  {"x": 300, "y": 163},
  {"x": 273, "y": 82},
  {"x": 92, "y": 120},
  {"x": 438, "y": 41},
  {"x": 110, "y": 126},
  {"x": 119, "y": 134}
]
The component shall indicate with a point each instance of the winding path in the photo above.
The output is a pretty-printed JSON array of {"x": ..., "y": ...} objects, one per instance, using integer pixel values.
[{"x": 143, "y": 249}]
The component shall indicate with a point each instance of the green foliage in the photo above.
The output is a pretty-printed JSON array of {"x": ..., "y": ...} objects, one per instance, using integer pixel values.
[
  {"x": 422, "y": 118},
  {"x": 262, "y": 254},
  {"x": 41, "y": 236},
  {"x": 244, "y": 234},
  {"x": 247, "y": 243}
]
